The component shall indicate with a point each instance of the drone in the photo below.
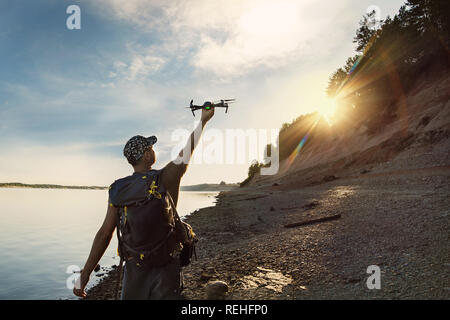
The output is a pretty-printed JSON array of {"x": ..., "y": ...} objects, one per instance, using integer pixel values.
[{"x": 208, "y": 105}]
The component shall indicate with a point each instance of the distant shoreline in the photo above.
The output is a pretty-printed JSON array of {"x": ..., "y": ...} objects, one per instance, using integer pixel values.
[
  {"x": 198, "y": 187},
  {"x": 48, "y": 186},
  {"x": 210, "y": 187}
]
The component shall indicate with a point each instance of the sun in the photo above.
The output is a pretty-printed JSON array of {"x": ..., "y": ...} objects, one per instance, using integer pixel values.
[{"x": 327, "y": 110}]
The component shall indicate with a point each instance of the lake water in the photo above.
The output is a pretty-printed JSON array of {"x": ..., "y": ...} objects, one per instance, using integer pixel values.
[{"x": 46, "y": 231}]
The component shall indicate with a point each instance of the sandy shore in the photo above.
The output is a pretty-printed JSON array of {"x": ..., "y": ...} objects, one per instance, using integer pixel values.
[{"x": 395, "y": 219}]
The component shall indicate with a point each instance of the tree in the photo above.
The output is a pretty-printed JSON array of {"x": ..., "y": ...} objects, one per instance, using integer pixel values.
[
  {"x": 367, "y": 30},
  {"x": 254, "y": 169},
  {"x": 429, "y": 16},
  {"x": 392, "y": 56}
]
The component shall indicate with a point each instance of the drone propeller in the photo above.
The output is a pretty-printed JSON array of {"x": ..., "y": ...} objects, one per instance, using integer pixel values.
[{"x": 224, "y": 101}]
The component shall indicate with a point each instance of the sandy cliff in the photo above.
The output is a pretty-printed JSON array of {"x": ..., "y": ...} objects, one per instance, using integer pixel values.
[{"x": 417, "y": 138}]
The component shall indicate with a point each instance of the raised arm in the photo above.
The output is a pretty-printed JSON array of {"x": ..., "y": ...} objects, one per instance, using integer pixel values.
[
  {"x": 101, "y": 242},
  {"x": 175, "y": 169},
  {"x": 186, "y": 153}
]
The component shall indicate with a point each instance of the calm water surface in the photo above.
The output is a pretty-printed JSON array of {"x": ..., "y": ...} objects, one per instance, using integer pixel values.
[{"x": 45, "y": 231}]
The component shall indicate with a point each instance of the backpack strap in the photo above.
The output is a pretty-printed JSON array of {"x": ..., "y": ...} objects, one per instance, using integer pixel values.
[
  {"x": 120, "y": 252},
  {"x": 155, "y": 188},
  {"x": 119, "y": 236},
  {"x": 119, "y": 278},
  {"x": 185, "y": 235},
  {"x": 178, "y": 223}
]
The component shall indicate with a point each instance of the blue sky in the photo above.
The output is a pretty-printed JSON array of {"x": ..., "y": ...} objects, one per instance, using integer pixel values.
[{"x": 70, "y": 99}]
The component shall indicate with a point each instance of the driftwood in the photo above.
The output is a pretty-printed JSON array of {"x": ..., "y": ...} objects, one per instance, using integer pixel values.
[
  {"x": 302, "y": 223},
  {"x": 251, "y": 198}
]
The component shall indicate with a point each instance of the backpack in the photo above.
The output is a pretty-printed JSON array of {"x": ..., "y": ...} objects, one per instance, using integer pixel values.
[
  {"x": 188, "y": 247},
  {"x": 149, "y": 230}
]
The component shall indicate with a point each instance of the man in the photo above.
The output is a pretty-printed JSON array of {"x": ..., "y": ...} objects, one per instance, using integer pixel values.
[{"x": 143, "y": 283}]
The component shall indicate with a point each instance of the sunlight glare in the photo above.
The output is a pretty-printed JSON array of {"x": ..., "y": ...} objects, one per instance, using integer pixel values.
[
  {"x": 272, "y": 18},
  {"x": 327, "y": 109}
]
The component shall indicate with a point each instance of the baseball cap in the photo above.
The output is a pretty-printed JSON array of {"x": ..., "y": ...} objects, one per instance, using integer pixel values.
[{"x": 135, "y": 147}]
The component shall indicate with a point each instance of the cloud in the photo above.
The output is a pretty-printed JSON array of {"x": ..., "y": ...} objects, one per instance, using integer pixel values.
[
  {"x": 70, "y": 112},
  {"x": 229, "y": 38},
  {"x": 268, "y": 34},
  {"x": 141, "y": 12},
  {"x": 139, "y": 67}
]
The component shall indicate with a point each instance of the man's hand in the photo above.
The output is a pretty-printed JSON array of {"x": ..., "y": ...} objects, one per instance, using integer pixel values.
[
  {"x": 80, "y": 285},
  {"x": 207, "y": 114}
]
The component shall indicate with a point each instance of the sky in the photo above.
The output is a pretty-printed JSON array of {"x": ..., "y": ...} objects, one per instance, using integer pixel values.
[{"x": 70, "y": 99}]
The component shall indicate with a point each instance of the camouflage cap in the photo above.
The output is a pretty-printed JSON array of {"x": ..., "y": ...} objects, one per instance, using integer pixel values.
[{"x": 135, "y": 147}]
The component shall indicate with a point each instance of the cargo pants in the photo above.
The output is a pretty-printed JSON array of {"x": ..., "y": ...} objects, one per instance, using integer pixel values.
[{"x": 156, "y": 283}]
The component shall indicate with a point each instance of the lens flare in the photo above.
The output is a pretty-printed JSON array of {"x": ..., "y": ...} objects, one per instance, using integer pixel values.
[
  {"x": 297, "y": 149},
  {"x": 327, "y": 110}
]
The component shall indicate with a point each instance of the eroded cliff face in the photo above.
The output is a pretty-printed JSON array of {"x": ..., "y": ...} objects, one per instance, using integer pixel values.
[{"x": 418, "y": 137}]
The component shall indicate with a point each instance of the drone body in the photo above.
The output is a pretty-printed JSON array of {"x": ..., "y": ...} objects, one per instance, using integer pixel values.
[{"x": 208, "y": 105}]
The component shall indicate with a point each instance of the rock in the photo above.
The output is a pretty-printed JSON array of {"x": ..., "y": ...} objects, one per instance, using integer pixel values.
[
  {"x": 423, "y": 122},
  {"x": 206, "y": 276},
  {"x": 97, "y": 268},
  {"x": 329, "y": 178},
  {"x": 272, "y": 209},
  {"x": 216, "y": 290},
  {"x": 311, "y": 205}
]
